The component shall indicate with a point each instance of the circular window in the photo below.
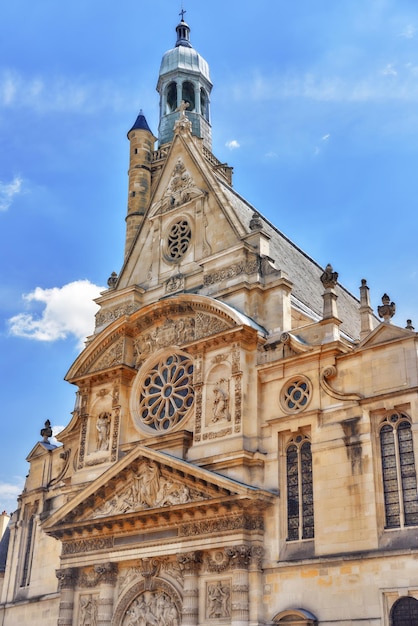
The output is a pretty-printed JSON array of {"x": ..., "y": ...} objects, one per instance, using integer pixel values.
[
  {"x": 167, "y": 392},
  {"x": 296, "y": 394},
  {"x": 178, "y": 239}
]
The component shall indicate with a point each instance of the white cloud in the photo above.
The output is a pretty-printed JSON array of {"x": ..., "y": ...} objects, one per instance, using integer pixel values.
[
  {"x": 389, "y": 70},
  {"x": 59, "y": 94},
  {"x": 8, "y": 191},
  {"x": 233, "y": 144},
  {"x": 408, "y": 32},
  {"x": 56, "y": 431},
  {"x": 68, "y": 310},
  {"x": 326, "y": 137},
  {"x": 9, "y": 493}
]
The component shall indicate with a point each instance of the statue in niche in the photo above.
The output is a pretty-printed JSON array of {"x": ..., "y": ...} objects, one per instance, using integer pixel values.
[
  {"x": 152, "y": 609},
  {"x": 88, "y": 611},
  {"x": 218, "y": 600},
  {"x": 103, "y": 431},
  {"x": 220, "y": 408}
]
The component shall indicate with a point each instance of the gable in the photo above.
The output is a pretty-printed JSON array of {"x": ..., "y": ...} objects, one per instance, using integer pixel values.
[
  {"x": 148, "y": 483},
  {"x": 385, "y": 333},
  {"x": 188, "y": 196}
]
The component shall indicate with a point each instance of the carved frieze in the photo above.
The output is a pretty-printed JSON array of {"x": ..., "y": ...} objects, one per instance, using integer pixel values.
[
  {"x": 113, "y": 356},
  {"x": 107, "y": 316},
  {"x": 87, "y": 545},
  {"x": 220, "y": 525},
  {"x": 242, "y": 267},
  {"x": 153, "y": 607}
]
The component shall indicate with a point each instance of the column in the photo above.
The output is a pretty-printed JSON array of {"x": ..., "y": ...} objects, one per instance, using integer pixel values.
[
  {"x": 108, "y": 574},
  {"x": 256, "y": 585},
  {"x": 190, "y": 564},
  {"x": 67, "y": 580},
  {"x": 239, "y": 561}
]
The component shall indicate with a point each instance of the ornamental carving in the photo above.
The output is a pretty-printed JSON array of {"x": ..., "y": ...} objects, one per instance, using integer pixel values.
[
  {"x": 177, "y": 331},
  {"x": 102, "y": 573},
  {"x": 110, "y": 315},
  {"x": 175, "y": 283},
  {"x": 152, "y": 608},
  {"x": 218, "y": 599},
  {"x": 243, "y": 267},
  {"x": 88, "y": 610},
  {"x": 67, "y": 578},
  {"x": 148, "y": 488},
  {"x": 239, "y": 556},
  {"x": 87, "y": 545},
  {"x": 113, "y": 356},
  {"x": 220, "y": 525},
  {"x": 180, "y": 189},
  {"x": 190, "y": 562}
]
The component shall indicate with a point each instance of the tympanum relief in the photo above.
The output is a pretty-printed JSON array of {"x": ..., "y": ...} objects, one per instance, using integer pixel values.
[
  {"x": 154, "y": 608},
  {"x": 147, "y": 488}
]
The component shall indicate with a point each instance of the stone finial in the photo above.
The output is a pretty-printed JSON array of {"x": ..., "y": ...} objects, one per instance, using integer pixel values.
[
  {"x": 255, "y": 222},
  {"x": 409, "y": 325},
  {"x": 387, "y": 308},
  {"x": 46, "y": 432},
  {"x": 112, "y": 280},
  {"x": 329, "y": 277}
]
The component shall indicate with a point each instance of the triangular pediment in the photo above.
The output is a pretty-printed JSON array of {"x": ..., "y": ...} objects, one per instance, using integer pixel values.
[
  {"x": 385, "y": 333},
  {"x": 148, "y": 482},
  {"x": 188, "y": 192}
]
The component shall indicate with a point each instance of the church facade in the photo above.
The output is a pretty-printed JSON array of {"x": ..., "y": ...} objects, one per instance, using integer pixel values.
[{"x": 242, "y": 449}]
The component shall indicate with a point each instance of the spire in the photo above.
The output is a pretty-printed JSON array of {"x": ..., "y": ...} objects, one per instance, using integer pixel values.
[
  {"x": 140, "y": 123},
  {"x": 183, "y": 32}
]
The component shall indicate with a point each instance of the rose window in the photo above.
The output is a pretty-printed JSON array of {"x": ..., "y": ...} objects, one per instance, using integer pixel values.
[
  {"x": 296, "y": 394},
  {"x": 178, "y": 239},
  {"x": 167, "y": 392}
]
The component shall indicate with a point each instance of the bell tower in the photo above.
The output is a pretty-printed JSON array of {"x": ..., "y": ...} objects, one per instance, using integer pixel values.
[{"x": 184, "y": 76}]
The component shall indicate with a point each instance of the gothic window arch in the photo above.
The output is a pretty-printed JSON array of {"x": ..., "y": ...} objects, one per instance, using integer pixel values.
[
  {"x": 404, "y": 612},
  {"x": 188, "y": 95},
  {"x": 171, "y": 97},
  {"x": 398, "y": 471},
  {"x": 204, "y": 104},
  {"x": 295, "y": 617},
  {"x": 300, "y": 507}
]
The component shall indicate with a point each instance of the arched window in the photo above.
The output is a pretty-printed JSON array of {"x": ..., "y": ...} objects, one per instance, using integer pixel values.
[
  {"x": 398, "y": 472},
  {"x": 300, "y": 514},
  {"x": 171, "y": 97},
  {"x": 204, "y": 104},
  {"x": 188, "y": 95},
  {"x": 404, "y": 612},
  {"x": 295, "y": 617}
]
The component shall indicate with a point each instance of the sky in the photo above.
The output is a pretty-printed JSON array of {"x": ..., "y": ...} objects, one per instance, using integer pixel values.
[{"x": 315, "y": 105}]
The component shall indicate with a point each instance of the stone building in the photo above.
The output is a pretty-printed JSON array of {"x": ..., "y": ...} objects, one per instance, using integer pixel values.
[{"x": 242, "y": 447}]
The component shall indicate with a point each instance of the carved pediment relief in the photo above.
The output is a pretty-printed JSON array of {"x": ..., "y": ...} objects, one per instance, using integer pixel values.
[
  {"x": 146, "y": 483},
  {"x": 146, "y": 486},
  {"x": 177, "y": 321},
  {"x": 180, "y": 189}
]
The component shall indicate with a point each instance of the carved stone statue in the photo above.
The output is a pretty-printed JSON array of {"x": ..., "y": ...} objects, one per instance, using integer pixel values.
[
  {"x": 88, "y": 611},
  {"x": 103, "y": 431},
  {"x": 329, "y": 277},
  {"x": 220, "y": 404},
  {"x": 218, "y": 604}
]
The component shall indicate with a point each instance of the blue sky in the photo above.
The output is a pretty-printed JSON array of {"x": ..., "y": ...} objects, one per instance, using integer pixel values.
[{"x": 315, "y": 105}]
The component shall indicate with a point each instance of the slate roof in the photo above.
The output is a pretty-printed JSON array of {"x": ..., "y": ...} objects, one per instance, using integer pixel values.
[{"x": 300, "y": 268}]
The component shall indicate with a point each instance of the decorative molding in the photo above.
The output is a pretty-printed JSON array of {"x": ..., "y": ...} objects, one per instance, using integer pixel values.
[
  {"x": 243, "y": 267},
  {"x": 220, "y": 525},
  {"x": 67, "y": 577},
  {"x": 329, "y": 373},
  {"x": 107, "y": 316},
  {"x": 87, "y": 545}
]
